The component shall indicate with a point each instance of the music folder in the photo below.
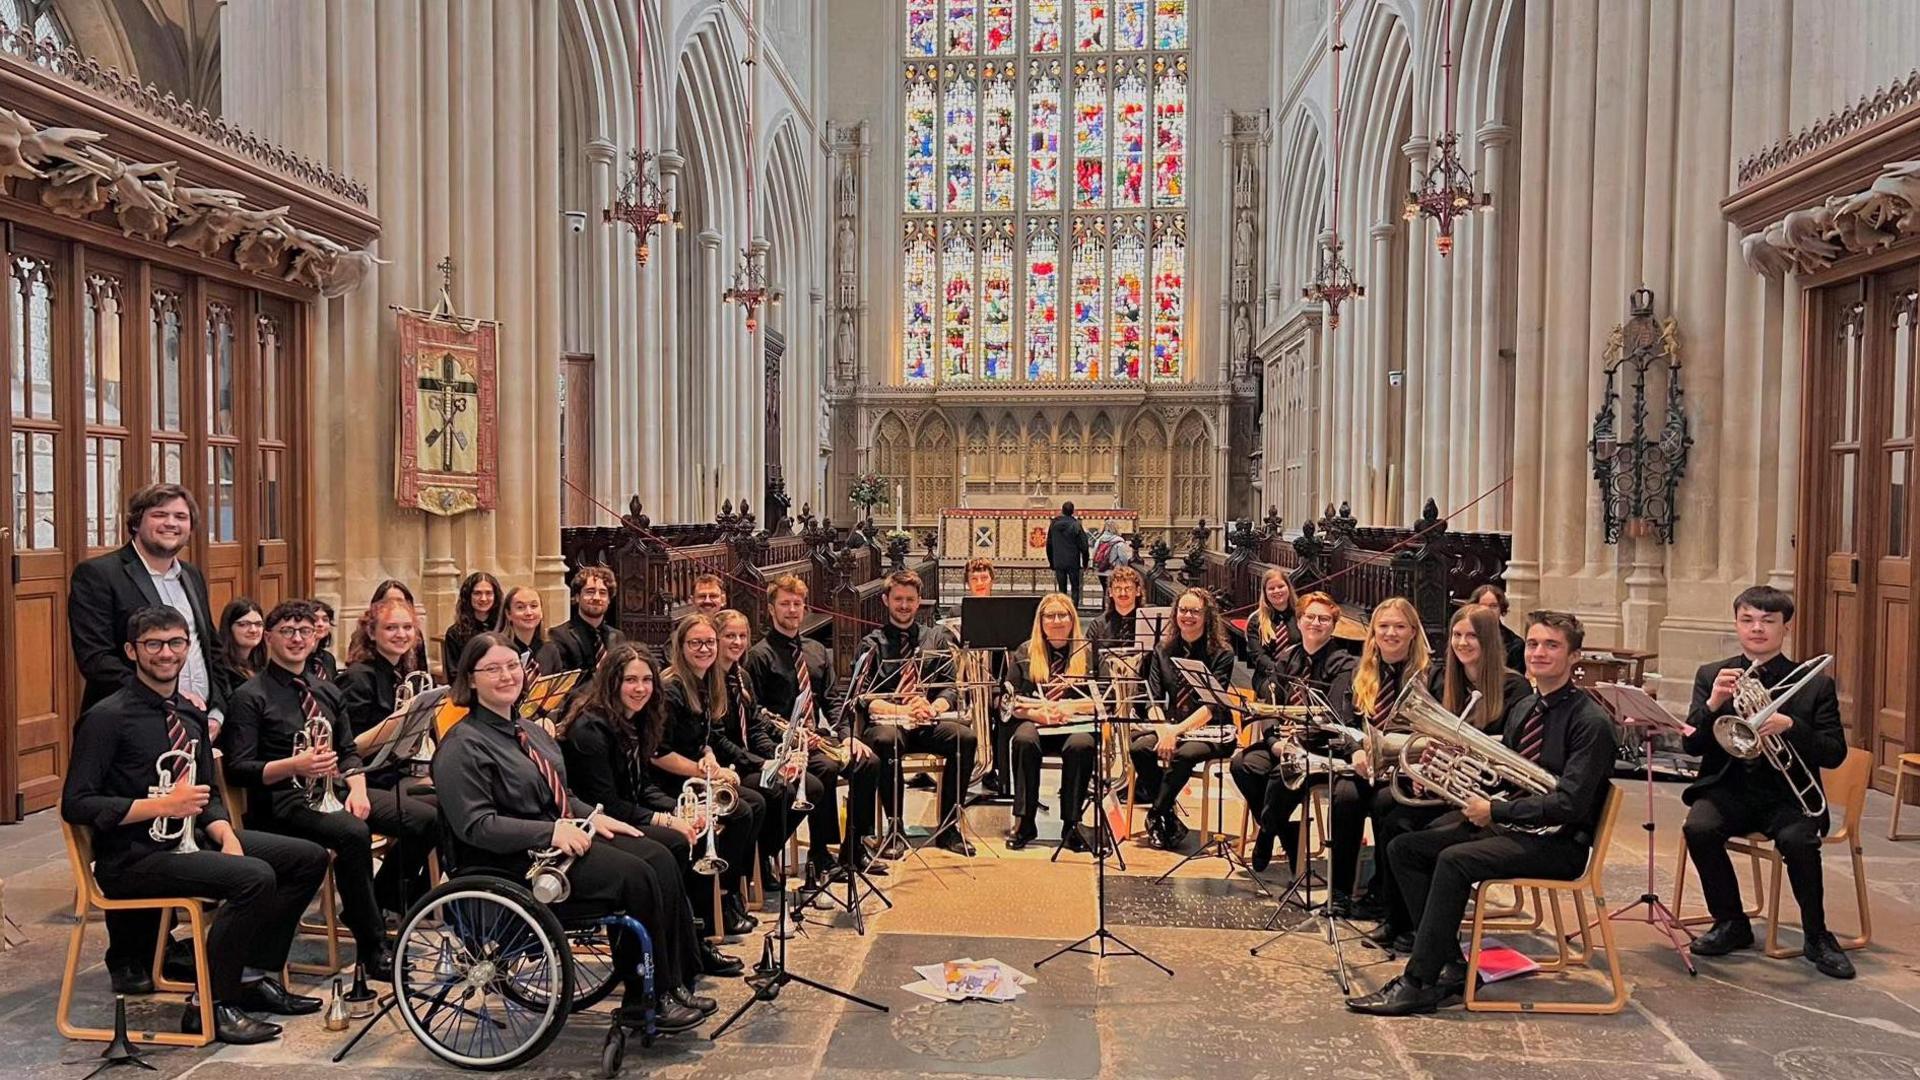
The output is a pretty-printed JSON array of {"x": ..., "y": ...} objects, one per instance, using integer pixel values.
[
  {"x": 996, "y": 622},
  {"x": 416, "y": 724}
]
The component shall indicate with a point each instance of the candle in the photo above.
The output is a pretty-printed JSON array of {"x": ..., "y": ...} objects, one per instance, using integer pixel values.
[{"x": 899, "y": 508}]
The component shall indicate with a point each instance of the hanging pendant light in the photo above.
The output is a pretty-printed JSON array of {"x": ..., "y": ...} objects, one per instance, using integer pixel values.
[
  {"x": 641, "y": 204},
  {"x": 750, "y": 288},
  {"x": 1333, "y": 280},
  {"x": 1446, "y": 192}
]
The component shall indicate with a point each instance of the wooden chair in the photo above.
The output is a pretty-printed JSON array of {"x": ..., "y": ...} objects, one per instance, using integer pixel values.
[
  {"x": 1906, "y": 765},
  {"x": 328, "y": 925},
  {"x": 90, "y": 899},
  {"x": 1846, "y": 790},
  {"x": 1590, "y": 882}
]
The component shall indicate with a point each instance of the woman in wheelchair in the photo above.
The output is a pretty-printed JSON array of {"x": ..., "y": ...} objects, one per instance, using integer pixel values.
[
  {"x": 608, "y": 737},
  {"x": 502, "y": 788}
]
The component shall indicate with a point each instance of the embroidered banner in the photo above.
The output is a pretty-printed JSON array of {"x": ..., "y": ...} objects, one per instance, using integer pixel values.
[{"x": 449, "y": 452}]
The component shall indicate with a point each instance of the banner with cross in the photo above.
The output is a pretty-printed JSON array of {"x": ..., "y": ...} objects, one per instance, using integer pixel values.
[{"x": 449, "y": 455}]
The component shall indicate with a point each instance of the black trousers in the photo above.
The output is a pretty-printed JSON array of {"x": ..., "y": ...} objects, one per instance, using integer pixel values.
[
  {"x": 697, "y": 887},
  {"x": 1349, "y": 802},
  {"x": 1273, "y": 802},
  {"x": 415, "y": 825},
  {"x": 1076, "y": 751},
  {"x": 863, "y": 781},
  {"x": 1439, "y": 866},
  {"x": 1068, "y": 581},
  {"x": 949, "y": 739},
  {"x": 351, "y": 841},
  {"x": 642, "y": 878},
  {"x": 1725, "y": 811},
  {"x": 738, "y": 840},
  {"x": 1167, "y": 783},
  {"x": 1391, "y": 820},
  {"x": 262, "y": 894},
  {"x": 779, "y": 822}
]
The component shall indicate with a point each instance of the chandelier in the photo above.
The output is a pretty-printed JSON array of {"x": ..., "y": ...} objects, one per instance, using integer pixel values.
[
  {"x": 1333, "y": 280},
  {"x": 750, "y": 288},
  {"x": 1446, "y": 192},
  {"x": 641, "y": 204}
]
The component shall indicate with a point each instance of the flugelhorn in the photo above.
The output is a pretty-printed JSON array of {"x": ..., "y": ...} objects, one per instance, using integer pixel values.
[
  {"x": 700, "y": 806},
  {"x": 547, "y": 877},
  {"x": 792, "y": 757},
  {"x": 1753, "y": 705},
  {"x": 171, "y": 768},
  {"x": 1446, "y": 755},
  {"x": 317, "y": 732}
]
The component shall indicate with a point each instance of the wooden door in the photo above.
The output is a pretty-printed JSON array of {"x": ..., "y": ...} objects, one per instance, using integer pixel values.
[
  {"x": 218, "y": 465},
  {"x": 1832, "y": 504},
  {"x": 272, "y": 339},
  {"x": 1888, "y": 634}
]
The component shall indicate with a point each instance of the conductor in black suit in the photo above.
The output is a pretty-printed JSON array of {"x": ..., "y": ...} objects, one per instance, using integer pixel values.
[
  {"x": 1067, "y": 552},
  {"x": 1734, "y": 796},
  {"x": 147, "y": 572}
]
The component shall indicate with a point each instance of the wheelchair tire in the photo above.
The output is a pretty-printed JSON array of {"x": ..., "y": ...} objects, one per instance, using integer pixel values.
[
  {"x": 483, "y": 973},
  {"x": 594, "y": 973}
]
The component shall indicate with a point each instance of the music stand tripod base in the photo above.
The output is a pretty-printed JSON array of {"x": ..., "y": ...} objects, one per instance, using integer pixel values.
[{"x": 1636, "y": 709}]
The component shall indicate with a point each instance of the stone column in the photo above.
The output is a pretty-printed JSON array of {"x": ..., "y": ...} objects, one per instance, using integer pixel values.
[
  {"x": 1492, "y": 417},
  {"x": 666, "y": 470},
  {"x": 1377, "y": 484},
  {"x": 549, "y": 567},
  {"x": 1419, "y": 406},
  {"x": 711, "y": 282}
]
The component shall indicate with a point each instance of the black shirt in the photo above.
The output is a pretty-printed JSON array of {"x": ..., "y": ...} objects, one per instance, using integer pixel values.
[
  {"x": 604, "y": 767},
  {"x": 1513, "y": 687},
  {"x": 687, "y": 728},
  {"x": 1165, "y": 683},
  {"x": 454, "y": 642},
  {"x": 1817, "y": 734},
  {"x": 742, "y": 739},
  {"x": 115, "y": 747},
  {"x": 580, "y": 644},
  {"x": 367, "y": 691},
  {"x": 1392, "y": 676},
  {"x": 880, "y": 648},
  {"x": 772, "y": 668},
  {"x": 262, "y": 718},
  {"x": 543, "y": 651},
  {"x": 495, "y": 802},
  {"x": 322, "y": 665},
  {"x": 1020, "y": 671},
  {"x": 1579, "y": 750},
  {"x": 1113, "y": 630},
  {"x": 1265, "y": 651}
]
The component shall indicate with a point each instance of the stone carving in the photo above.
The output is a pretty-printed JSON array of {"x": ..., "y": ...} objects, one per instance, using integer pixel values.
[
  {"x": 1241, "y": 286},
  {"x": 1870, "y": 109},
  {"x": 1810, "y": 239}
]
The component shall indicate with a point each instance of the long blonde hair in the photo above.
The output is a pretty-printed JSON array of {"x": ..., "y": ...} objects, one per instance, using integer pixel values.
[
  {"x": 1265, "y": 618},
  {"x": 1037, "y": 668},
  {"x": 1492, "y": 681},
  {"x": 709, "y": 693},
  {"x": 1366, "y": 678}
]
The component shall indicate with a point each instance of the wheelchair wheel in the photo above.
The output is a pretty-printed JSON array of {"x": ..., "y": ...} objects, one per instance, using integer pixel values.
[
  {"x": 594, "y": 973},
  {"x": 483, "y": 973}
]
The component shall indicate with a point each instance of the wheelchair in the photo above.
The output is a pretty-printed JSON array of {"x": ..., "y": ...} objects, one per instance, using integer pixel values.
[{"x": 485, "y": 976}]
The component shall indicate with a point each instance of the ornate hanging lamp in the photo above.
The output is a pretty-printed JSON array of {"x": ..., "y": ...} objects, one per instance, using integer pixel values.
[
  {"x": 1333, "y": 280},
  {"x": 750, "y": 288},
  {"x": 1446, "y": 192},
  {"x": 641, "y": 204}
]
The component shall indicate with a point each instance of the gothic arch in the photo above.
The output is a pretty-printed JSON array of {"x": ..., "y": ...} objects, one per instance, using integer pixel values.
[
  {"x": 1100, "y": 454},
  {"x": 1070, "y": 450},
  {"x": 1193, "y": 469},
  {"x": 1007, "y": 449},
  {"x": 979, "y": 449},
  {"x": 1300, "y": 195},
  {"x": 892, "y": 458},
  {"x": 1145, "y": 463},
  {"x": 1039, "y": 463}
]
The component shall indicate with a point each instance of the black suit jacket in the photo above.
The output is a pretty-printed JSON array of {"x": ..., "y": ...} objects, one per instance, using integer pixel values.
[
  {"x": 1067, "y": 547},
  {"x": 104, "y": 594},
  {"x": 1817, "y": 734}
]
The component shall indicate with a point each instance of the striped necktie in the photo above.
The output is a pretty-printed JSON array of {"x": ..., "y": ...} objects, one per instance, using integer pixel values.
[
  {"x": 1056, "y": 675},
  {"x": 176, "y": 730},
  {"x": 1389, "y": 693},
  {"x": 1533, "y": 731},
  {"x": 547, "y": 772},
  {"x": 802, "y": 681},
  {"x": 309, "y": 712},
  {"x": 909, "y": 677},
  {"x": 1278, "y": 642}
]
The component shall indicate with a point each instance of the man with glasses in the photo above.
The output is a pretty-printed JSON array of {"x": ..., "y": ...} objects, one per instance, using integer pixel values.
[
  {"x": 263, "y": 885},
  {"x": 286, "y": 787}
]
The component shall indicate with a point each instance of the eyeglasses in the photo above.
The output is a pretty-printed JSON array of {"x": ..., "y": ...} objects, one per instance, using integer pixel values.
[
  {"x": 294, "y": 633},
  {"x": 249, "y": 624},
  {"x": 702, "y": 646},
  {"x": 156, "y": 646},
  {"x": 495, "y": 671}
]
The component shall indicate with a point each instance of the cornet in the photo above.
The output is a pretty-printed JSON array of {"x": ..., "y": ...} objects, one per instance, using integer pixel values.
[
  {"x": 1753, "y": 705},
  {"x": 415, "y": 684},
  {"x": 547, "y": 877},
  {"x": 175, "y": 767},
  {"x": 700, "y": 805},
  {"x": 792, "y": 756},
  {"x": 317, "y": 733}
]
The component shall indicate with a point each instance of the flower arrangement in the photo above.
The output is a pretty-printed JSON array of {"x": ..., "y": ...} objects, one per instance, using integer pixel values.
[{"x": 868, "y": 491}]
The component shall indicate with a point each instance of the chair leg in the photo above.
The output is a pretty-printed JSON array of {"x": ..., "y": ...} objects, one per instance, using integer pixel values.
[
  {"x": 1615, "y": 976},
  {"x": 63, "y": 1010},
  {"x": 1474, "y": 945},
  {"x": 1773, "y": 948},
  {"x": 1900, "y": 774}
]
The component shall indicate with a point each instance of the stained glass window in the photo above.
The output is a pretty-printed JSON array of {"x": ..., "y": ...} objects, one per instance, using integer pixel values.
[{"x": 1006, "y": 277}]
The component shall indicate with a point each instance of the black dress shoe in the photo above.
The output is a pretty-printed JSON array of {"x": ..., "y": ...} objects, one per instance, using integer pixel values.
[
  {"x": 380, "y": 965},
  {"x": 1826, "y": 955},
  {"x": 131, "y": 979},
  {"x": 683, "y": 996},
  {"x": 1724, "y": 937},
  {"x": 669, "y": 1016},
  {"x": 1022, "y": 834},
  {"x": 951, "y": 840},
  {"x": 865, "y": 861},
  {"x": 1076, "y": 840},
  {"x": 177, "y": 964},
  {"x": 738, "y": 922},
  {"x": 1340, "y": 906},
  {"x": 922, "y": 782},
  {"x": 1369, "y": 908},
  {"x": 1452, "y": 982},
  {"x": 1262, "y": 851},
  {"x": 266, "y": 995},
  {"x": 1384, "y": 935},
  {"x": 230, "y": 1026},
  {"x": 718, "y": 964},
  {"x": 1400, "y": 997},
  {"x": 894, "y": 848}
]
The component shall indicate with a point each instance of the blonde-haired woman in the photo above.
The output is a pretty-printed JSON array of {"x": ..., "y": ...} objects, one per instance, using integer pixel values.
[
  {"x": 1271, "y": 629},
  {"x": 1048, "y": 678},
  {"x": 1393, "y": 657}
]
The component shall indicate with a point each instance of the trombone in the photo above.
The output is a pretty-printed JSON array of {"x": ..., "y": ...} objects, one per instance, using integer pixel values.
[{"x": 1753, "y": 705}]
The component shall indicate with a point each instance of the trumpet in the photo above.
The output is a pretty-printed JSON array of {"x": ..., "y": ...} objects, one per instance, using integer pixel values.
[
  {"x": 1753, "y": 705},
  {"x": 836, "y": 750},
  {"x": 171, "y": 768},
  {"x": 547, "y": 877},
  {"x": 792, "y": 756},
  {"x": 1446, "y": 755},
  {"x": 700, "y": 805},
  {"x": 317, "y": 733}
]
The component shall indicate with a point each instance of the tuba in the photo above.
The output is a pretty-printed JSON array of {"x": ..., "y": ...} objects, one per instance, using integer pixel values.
[
  {"x": 700, "y": 805},
  {"x": 170, "y": 768},
  {"x": 317, "y": 732},
  {"x": 1446, "y": 755},
  {"x": 547, "y": 877},
  {"x": 1753, "y": 705}
]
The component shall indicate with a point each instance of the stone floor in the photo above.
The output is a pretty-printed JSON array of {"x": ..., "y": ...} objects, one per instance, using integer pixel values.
[{"x": 1224, "y": 1012}]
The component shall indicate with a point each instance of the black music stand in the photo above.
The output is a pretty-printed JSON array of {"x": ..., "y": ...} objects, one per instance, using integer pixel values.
[
  {"x": 1634, "y": 708},
  {"x": 1000, "y": 623},
  {"x": 1217, "y": 843}
]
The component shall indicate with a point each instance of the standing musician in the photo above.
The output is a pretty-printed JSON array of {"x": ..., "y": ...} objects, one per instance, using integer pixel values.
[
  {"x": 477, "y": 612},
  {"x": 608, "y": 736},
  {"x": 263, "y": 886},
  {"x": 1393, "y": 656},
  {"x": 1270, "y": 630},
  {"x": 778, "y": 666},
  {"x": 1163, "y": 761},
  {"x": 1564, "y": 731},
  {"x": 1734, "y": 797},
  {"x": 526, "y": 634},
  {"x": 695, "y": 693},
  {"x": 744, "y": 740},
  {"x": 584, "y": 637},
  {"x": 895, "y": 662},
  {"x": 1312, "y": 662},
  {"x": 1476, "y": 663},
  {"x": 1048, "y": 677},
  {"x": 709, "y": 594},
  {"x": 268, "y": 720},
  {"x": 383, "y": 655},
  {"x": 503, "y": 785}
]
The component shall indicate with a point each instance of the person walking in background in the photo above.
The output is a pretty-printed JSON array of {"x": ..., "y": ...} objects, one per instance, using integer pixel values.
[{"x": 1067, "y": 552}]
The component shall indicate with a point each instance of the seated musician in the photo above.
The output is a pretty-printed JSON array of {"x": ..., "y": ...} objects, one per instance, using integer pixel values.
[
  {"x": 1114, "y": 629},
  {"x": 694, "y": 691},
  {"x": 383, "y": 655},
  {"x": 745, "y": 740},
  {"x": 1476, "y": 663},
  {"x": 1734, "y": 797},
  {"x": 322, "y": 665},
  {"x": 979, "y": 576},
  {"x": 264, "y": 884},
  {"x": 1393, "y": 656},
  {"x": 1048, "y": 678},
  {"x": 525, "y": 631},
  {"x": 709, "y": 594},
  {"x": 503, "y": 788},
  {"x": 584, "y": 637},
  {"x": 1512, "y": 644},
  {"x": 268, "y": 720},
  {"x": 1165, "y": 757},
  {"x": 1312, "y": 662},
  {"x": 779, "y": 667},
  {"x": 901, "y": 660},
  {"x": 1270, "y": 630},
  {"x": 1564, "y": 731},
  {"x": 477, "y": 611},
  {"x": 608, "y": 736}
]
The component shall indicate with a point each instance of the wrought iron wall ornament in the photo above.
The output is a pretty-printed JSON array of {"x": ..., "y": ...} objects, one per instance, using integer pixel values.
[{"x": 1638, "y": 460}]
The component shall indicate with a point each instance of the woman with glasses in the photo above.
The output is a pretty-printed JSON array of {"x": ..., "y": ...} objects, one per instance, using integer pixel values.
[
  {"x": 1186, "y": 731},
  {"x": 241, "y": 652},
  {"x": 1048, "y": 677},
  {"x": 695, "y": 693},
  {"x": 502, "y": 784}
]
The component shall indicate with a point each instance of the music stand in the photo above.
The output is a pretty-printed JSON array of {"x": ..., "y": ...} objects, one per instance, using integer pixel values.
[
  {"x": 547, "y": 693},
  {"x": 1217, "y": 843},
  {"x": 999, "y": 624},
  {"x": 1634, "y": 708}
]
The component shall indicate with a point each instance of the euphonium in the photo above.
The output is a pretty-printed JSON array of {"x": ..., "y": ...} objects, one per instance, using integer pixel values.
[
  {"x": 170, "y": 768},
  {"x": 1753, "y": 705},
  {"x": 547, "y": 876},
  {"x": 317, "y": 732},
  {"x": 1447, "y": 756}
]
